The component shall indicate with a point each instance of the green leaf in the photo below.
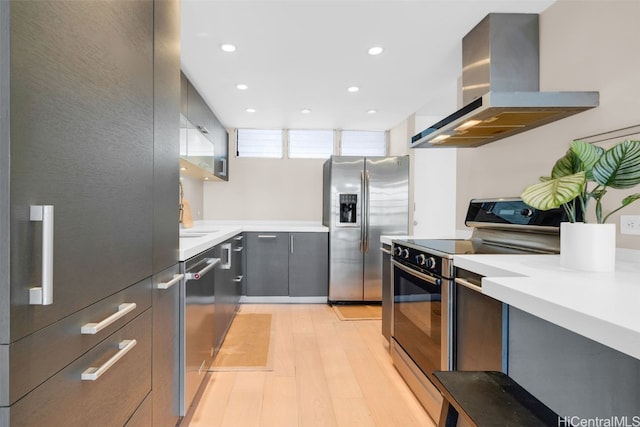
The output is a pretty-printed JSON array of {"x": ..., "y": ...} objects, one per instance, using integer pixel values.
[
  {"x": 619, "y": 167},
  {"x": 554, "y": 193},
  {"x": 630, "y": 199},
  {"x": 587, "y": 155},
  {"x": 566, "y": 165}
]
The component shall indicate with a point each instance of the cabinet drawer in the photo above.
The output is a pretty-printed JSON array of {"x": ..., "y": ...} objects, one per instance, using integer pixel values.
[
  {"x": 110, "y": 400},
  {"x": 38, "y": 356},
  {"x": 143, "y": 417}
]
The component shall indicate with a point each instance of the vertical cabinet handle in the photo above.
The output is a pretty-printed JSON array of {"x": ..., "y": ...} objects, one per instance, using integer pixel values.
[
  {"x": 291, "y": 239},
  {"x": 92, "y": 374},
  {"x": 226, "y": 256},
  {"x": 170, "y": 283},
  {"x": 43, "y": 294},
  {"x": 224, "y": 167},
  {"x": 94, "y": 328}
]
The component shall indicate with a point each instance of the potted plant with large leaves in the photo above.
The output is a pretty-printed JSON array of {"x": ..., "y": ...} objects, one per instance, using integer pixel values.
[{"x": 583, "y": 175}]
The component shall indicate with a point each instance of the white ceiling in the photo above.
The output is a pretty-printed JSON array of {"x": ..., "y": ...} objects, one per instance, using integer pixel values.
[{"x": 300, "y": 54}]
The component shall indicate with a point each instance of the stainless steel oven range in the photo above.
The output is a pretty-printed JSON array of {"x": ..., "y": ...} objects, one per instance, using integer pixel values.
[{"x": 441, "y": 319}]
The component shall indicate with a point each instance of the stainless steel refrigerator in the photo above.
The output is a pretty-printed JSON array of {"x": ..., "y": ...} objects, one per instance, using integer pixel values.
[{"x": 363, "y": 198}]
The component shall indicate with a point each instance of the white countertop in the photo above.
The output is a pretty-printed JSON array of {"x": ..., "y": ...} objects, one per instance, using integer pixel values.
[
  {"x": 601, "y": 306},
  {"x": 211, "y": 233}
]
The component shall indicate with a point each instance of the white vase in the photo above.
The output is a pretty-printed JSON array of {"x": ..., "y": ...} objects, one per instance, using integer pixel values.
[{"x": 588, "y": 247}]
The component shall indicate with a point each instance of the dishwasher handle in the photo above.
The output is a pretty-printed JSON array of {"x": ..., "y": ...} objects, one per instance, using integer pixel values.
[
  {"x": 211, "y": 262},
  {"x": 468, "y": 284}
]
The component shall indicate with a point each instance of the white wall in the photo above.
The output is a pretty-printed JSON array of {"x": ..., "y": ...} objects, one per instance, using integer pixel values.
[
  {"x": 266, "y": 189},
  {"x": 584, "y": 45}
]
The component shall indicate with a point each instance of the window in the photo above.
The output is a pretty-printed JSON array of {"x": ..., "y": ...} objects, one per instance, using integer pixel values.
[
  {"x": 260, "y": 143},
  {"x": 310, "y": 144},
  {"x": 363, "y": 143}
]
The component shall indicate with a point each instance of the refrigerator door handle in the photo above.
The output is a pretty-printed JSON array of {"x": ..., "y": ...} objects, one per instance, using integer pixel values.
[
  {"x": 43, "y": 294},
  {"x": 366, "y": 205},
  {"x": 362, "y": 211}
]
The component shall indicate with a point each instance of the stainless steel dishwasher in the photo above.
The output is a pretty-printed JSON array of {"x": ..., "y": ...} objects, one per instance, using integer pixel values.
[
  {"x": 481, "y": 325},
  {"x": 197, "y": 347}
]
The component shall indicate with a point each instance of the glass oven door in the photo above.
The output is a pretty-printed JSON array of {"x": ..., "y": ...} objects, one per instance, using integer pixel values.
[{"x": 420, "y": 317}]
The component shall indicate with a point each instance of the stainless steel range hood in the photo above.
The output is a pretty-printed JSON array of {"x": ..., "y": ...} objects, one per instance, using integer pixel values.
[{"x": 500, "y": 87}]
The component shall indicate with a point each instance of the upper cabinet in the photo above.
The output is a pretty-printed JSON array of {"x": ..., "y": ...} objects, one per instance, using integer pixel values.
[{"x": 204, "y": 142}]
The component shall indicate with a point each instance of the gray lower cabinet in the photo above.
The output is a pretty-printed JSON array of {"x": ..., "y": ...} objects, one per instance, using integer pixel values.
[
  {"x": 66, "y": 399},
  {"x": 308, "y": 264},
  {"x": 387, "y": 291},
  {"x": 228, "y": 286},
  {"x": 267, "y": 264},
  {"x": 167, "y": 289},
  {"x": 287, "y": 264}
]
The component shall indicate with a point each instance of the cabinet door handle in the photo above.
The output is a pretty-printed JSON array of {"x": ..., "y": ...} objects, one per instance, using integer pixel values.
[
  {"x": 170, "y": 283},
  {"x": 238, "y": 249},
  {"x": 238, "y": 238},
  {"x": 238, "y": 279},
  {"x": 94, "y": 328},
  {"x": 43, "y": 294},
  {"x": 224, "y": 167},
  {"x": 291, "y": 241},
  {"x": 227, "y": 256},
  {"x": 92, "y": 374},
  {"x": 211, "y": 262},
  {"x": 203, "y": 129},
  {"x": 267, "y": 236}
]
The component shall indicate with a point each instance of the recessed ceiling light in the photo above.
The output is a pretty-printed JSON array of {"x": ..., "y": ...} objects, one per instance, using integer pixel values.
[
  {"x": 242, "y": 86},
  {"x": 376, "y": 50},
  {"x": 305, "y": 111},
  {"x": 372, "y": 111},
  {"x": 251, "y": 110},
  {"x": 228, "y": 47},
  {"x": 353, "y": 88}
]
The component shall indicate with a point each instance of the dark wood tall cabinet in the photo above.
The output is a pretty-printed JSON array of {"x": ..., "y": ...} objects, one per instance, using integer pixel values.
[{"x": 89, "y": 109}]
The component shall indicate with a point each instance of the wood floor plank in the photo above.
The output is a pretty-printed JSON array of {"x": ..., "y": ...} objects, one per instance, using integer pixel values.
[
  {"x": 213, "y": 401},
  {"x": 280, "y": 405},
  {"x": 352, "y": 412},
  {"x": 283, "y": 351},
  {"x": 314, "y": 399},
  {"x": 245, "y": 400}
]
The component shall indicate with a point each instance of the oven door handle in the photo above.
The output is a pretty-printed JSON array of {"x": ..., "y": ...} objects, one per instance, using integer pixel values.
[
  {"x": 469, "y": 285},
  {"x": 426, "y": 278}
]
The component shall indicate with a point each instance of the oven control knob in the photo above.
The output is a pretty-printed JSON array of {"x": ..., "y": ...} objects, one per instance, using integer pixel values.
[
  {"x": 421, "y": 259},
  {"x": 526, "y": 212},
  {"x": 397, "y": 251},
  {"x": 405, "y": 253},
  {"x": 430, "y": 262}
]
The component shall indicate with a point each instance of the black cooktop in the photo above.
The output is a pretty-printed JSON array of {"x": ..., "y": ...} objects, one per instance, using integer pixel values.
[{"x": 449, "y": 247}]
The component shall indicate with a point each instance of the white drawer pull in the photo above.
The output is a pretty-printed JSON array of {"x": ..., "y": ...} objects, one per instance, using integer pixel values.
[
  {"x": 170, "y": 283},
  {"x": 94, "y": 328},
  {"x": 238, "y": 279},
  {"x": 43, "y": 294},
  {"x": 92, "y": 374}
]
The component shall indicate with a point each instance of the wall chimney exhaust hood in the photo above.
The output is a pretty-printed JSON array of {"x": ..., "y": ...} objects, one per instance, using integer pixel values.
[{"x": 500, "y": 87}]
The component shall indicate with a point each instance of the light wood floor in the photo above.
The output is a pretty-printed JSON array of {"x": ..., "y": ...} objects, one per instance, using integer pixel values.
[{"x": 326, "y": 372}]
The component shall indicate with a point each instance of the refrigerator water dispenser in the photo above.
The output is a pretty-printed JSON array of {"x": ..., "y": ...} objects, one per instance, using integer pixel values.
[{"x": 348, "y": 206}]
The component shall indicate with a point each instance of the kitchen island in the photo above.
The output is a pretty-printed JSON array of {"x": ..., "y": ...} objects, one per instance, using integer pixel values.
[{"x": 573, "y": 336}]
